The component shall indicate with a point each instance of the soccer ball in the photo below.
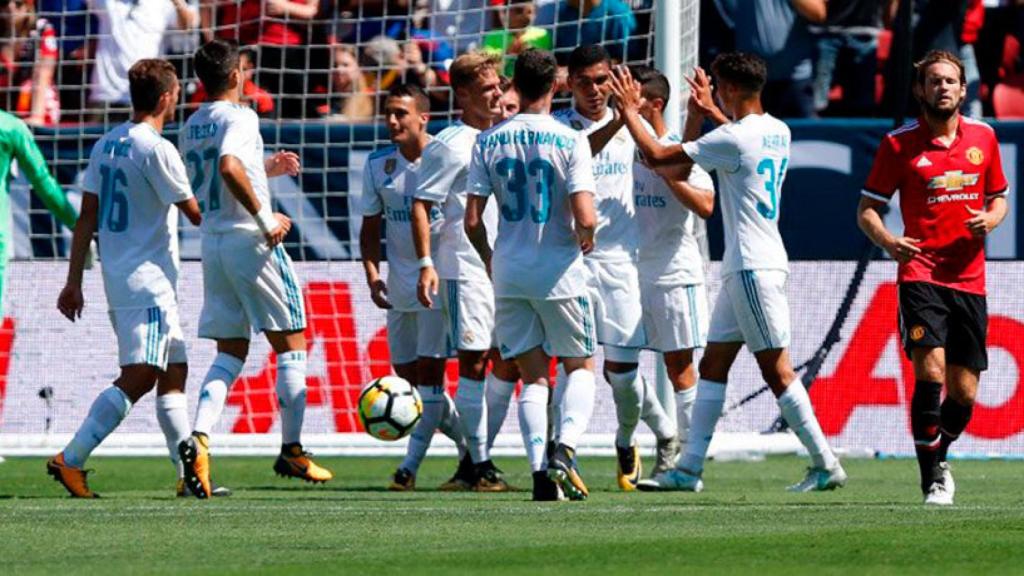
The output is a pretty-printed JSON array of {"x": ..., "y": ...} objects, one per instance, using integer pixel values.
[{"x": 389, "y": 407}]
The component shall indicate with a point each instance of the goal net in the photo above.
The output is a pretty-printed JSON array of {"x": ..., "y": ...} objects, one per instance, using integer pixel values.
[{"x": 316, "y": 79}]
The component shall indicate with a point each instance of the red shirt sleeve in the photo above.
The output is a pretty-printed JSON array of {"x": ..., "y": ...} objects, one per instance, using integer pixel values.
[
  {"x": 995, "y": 179},
  {"x": 886, "y": 172}
]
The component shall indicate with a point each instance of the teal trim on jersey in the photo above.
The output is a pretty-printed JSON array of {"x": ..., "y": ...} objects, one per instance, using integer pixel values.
[
  {"x": 754, "y": 300},
  {"x": 152, "y": 336},
  {"x": 588, "y": 326},
  {"x": 691, "y": 296},
  {"x": 453, "y": 312},
  {"x": 296, "y": 316}
]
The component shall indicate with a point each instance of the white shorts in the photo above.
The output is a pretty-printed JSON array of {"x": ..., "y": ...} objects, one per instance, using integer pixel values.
[
  {"x": 248, "y": 286},
  {"x": 675, "y": 316},
  {"x": 416, "y": 334},
  {"x": 149, "y": 336},
  {"x": 468, "y": 309},
  {"x": 615, "y": 291},
  {"x": 752, "y": 308},
  {"x": 564, "y": 327}
]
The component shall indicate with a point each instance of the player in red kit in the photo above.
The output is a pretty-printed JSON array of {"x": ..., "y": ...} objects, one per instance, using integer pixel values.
[{"x": 952, "y": 195}]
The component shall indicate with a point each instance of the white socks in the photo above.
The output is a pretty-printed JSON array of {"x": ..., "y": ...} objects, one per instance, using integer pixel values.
[
  {"x": 799, "y": 414},
  {"x": 577, "y": 407},
  {"x": 172, "y": 414},
  {"x": 684, "y": 412},
  {"x": 654, "y": 414},
  {"x": 221, "y": 375},
  {"x": 555, "y": 405},
  {"x": 451, "y": 424},
  {"x": 291, "y": 394},
  {"x": 533, "y": 423},
  {"x": 707, "y": 409},
  {"x": 469, "y": 401},
  {"x": 106, "y": 412},
  {"x": 628, "y": 392},
  {"x": 499, "y": 395},
  {"x": 433, "y": 411}
]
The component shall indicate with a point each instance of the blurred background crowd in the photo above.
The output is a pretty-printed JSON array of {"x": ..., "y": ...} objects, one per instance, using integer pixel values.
[{"x": 66, "y": 61}]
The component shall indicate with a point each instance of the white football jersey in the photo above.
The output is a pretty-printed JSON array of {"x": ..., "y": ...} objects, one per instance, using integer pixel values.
[
  {"x": 220, "y": 129},
  {"x": 616, "y": 235},
  {"x": 532, "y": 164},
  {"x": 389, "y": 180},
  {"x": 138, "y": 176},
  {"x": 750, "y": 157},
  {"x": 442, "y": 179},
  {"x": 669, "y": 253}
]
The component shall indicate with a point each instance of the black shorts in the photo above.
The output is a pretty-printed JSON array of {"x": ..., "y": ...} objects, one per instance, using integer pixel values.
[{"x": 933, "y": 316}]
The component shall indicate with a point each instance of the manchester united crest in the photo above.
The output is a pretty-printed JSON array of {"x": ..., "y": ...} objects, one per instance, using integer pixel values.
[
  {"x": 975, "y": 155},
  {"x": 389, "y": 166},
  {"x": 916, "y": 333}
]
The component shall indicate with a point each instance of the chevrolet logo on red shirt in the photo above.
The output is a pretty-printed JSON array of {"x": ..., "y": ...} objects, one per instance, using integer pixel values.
[{"x": 952, "y": 181}]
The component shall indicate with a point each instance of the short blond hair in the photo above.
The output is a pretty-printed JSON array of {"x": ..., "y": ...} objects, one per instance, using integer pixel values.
[{"x": 465, "y": 69}]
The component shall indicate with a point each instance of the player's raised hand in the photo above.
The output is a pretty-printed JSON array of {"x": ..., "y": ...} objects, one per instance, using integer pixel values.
[
  {"x": 981, "y": 222},
  {"x": 626, "y": 90},
  {"x": 282, "y": 162},
  {"x": 71, "y": 302},
  {"x": 379, "y": 294},
  {"x": 701, "y": 99},
  {"x": 276, "y": 236},
  {"x": 426, "y": 286},
  {"x": 903, "y": 249}
]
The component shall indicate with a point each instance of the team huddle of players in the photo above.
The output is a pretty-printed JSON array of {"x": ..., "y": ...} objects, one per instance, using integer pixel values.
[
  {"x": 587, "y": 243},
  {"x": 590, "y": 240}
]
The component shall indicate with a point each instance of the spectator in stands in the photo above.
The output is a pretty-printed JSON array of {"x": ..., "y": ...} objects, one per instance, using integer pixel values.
[
  {"x": 387, "y": 61},
  {"x": 777, "y": 30},
  {"x": 252, "y": 95},
  {"x": 349, "y": 98},
  {"x": 605, "y": 22},
  {"x": 848, "y": 42},
  {"x": 128, "y": 32},
  {"x": 516, "y": 32},
  {"x": 974, "y": 19},
  {"x": 71, "y": 23},
  {"x": 360, "y": 21},
  {"x": 28, "y": 60},
  {"x": 285, "y": 58}
]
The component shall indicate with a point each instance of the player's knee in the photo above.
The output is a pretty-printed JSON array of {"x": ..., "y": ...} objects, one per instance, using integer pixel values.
[
  {"x": 472, "y": 364},
  {"x": 505, "y": 369},
  {"x": 237, "y": 347},
  {"x": 713, "y": 369},
  {"x": 136, "y": 381}
]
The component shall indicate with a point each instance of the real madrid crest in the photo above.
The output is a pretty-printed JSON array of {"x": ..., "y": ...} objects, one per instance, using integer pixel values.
[
  {"x": 389, "y": 166},
  {"x": 975, "y": 155}
]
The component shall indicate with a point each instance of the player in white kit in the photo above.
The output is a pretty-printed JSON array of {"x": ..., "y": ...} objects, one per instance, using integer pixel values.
[
  {"x": 614, "y": 282},
  {"x": 133, "y": 179},
  {"x": 540, "y": 172},
  {"x": 750, "y": 154},
  {"x": 249, "y": 282},
  {"x": 459, "y": 285},
  {"x": 417, "y": 339},
  {"x": 672, "y": 290}
]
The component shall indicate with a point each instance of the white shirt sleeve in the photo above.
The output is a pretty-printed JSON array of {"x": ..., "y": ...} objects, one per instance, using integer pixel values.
[
  {"x": 479, "y": 182},
  {"x": 699, "y": 178},
  {"x": 371, "y": 204},
  {"x": 580, "y": 175},
  {"x": 91, "y": 183},
  {"x": 240, "y": 136},
  {"x": 166, "y": 174},
  {"x": 438, "y": 169},
  {"x": 716, "y": 150}
]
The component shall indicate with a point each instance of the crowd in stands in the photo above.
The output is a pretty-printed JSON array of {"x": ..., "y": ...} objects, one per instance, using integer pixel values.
[{"x": 66, "y": 61}]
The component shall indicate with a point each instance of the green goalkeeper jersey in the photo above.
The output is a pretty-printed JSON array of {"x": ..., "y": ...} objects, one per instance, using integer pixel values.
[{"x": 17, "y": 143}]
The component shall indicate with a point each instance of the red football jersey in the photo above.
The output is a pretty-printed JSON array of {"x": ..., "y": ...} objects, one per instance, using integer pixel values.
[{"x": 937, "y": 184}]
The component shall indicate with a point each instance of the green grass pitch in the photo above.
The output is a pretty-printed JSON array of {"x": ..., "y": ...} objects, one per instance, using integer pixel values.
[{"x": 744, "y": 523}]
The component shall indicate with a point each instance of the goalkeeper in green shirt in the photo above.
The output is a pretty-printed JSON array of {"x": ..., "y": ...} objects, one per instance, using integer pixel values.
[{"x": 17, "y": 143}]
